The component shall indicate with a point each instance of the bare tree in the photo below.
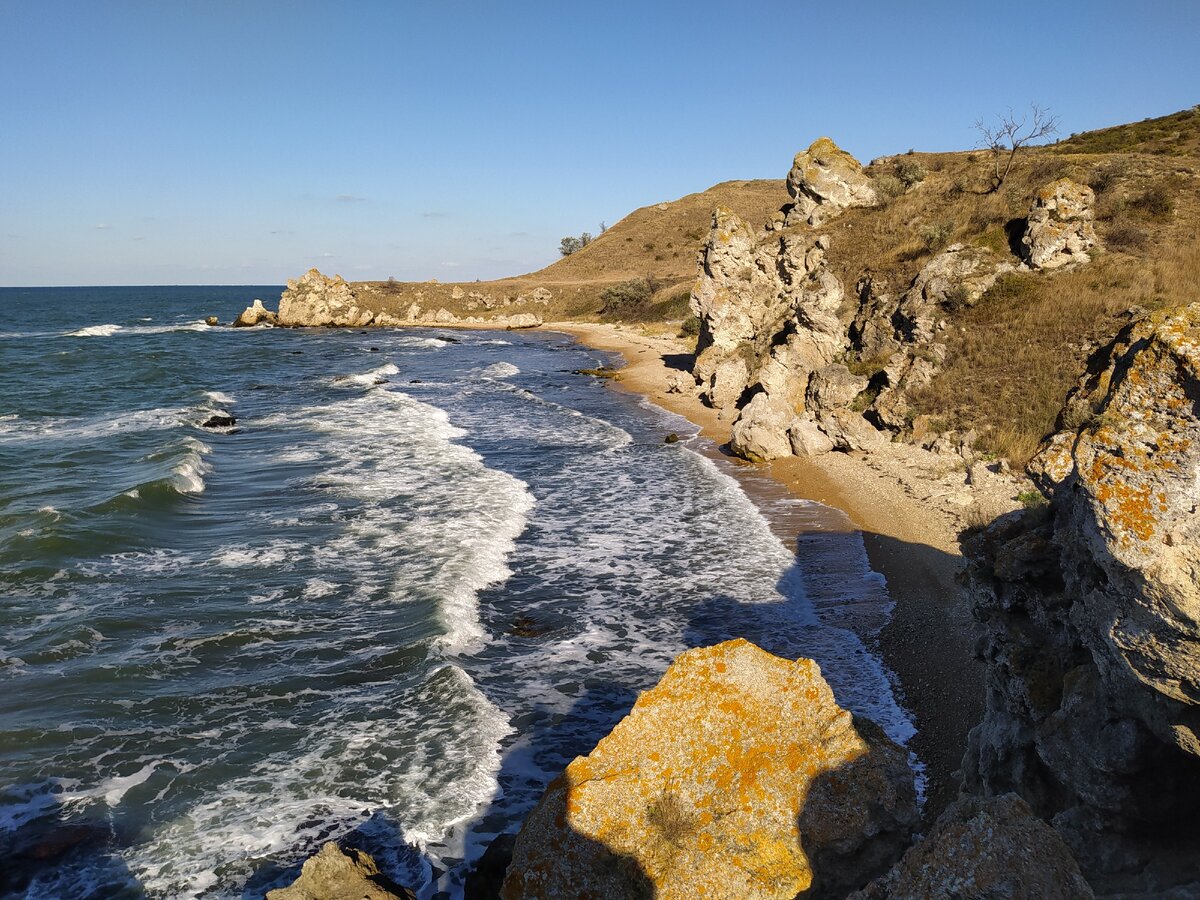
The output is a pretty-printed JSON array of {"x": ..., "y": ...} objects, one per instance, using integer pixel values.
[{"x": 1009, "y": 134}]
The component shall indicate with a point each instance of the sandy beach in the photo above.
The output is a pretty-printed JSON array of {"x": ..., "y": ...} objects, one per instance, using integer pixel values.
[{"x": 928, "y": 641}]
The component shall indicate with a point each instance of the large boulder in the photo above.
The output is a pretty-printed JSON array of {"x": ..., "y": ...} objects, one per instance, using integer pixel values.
[
  {"x": 823, "y": 181},
  {"x": 1060, "y": 230},
  {"x": 255, "y": 314},
  {"x": 736, "y": 776},
  {"x": 984, "y": 848},
  {"x": 316, "y": 300},
  {"x": 760, "y": 433},
  {"x": 1091, "y": 619},
  {"x": 833, "y": 387},
  {"x": 341, "y": 874}
]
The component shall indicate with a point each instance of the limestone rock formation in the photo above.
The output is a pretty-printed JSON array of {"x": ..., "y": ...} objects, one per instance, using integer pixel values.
[
  {"x": 770, "y": 314},
  {"x": 522, "y": 320},
  {"x": 736, "y": 776},
  {"x": 1060, "y": 228},
  {"x": 761, "y": 431},
  {"x": 984, "y": 848},
  {"x": 1091, "y": 619},
  {"x": 341, "y": 874},
  {"x": 316, "y": 300},
  {"x": 255, "y": 314},
  {"x": 824, "y": 180},
  {"x": 955, "y": 278}
]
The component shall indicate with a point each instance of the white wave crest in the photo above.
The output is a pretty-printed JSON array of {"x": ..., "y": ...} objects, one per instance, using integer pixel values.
[
  {"x": 500, "y": 370},
  {"x": 95, "y": 331},
  {"x": 188, "y": 474}
]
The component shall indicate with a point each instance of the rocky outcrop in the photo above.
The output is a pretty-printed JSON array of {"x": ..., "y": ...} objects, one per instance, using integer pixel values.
[
  {"x": 1091, "y": 619},
  {"x": 770, "y": 315},
  {"x": 521, "y": 320},
  {"x": 255, "y": 314},
  {"x": 1060, "y": 230},
  {"x": 736, "y": 776},
  {"x": 315, "y": 300},
  {"x": 984, "y": 848},
  {"x": 823, "y": 181},
  {"x": 954, "y": 279},
  {"x": 341, "y": 874}
]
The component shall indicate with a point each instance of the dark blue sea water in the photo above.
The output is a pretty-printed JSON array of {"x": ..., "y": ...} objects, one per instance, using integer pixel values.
[{"x": 422, "y": 572}]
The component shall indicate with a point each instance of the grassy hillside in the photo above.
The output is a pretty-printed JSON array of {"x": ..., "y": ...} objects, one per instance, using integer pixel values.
[{"x": 1013, "y": 356}]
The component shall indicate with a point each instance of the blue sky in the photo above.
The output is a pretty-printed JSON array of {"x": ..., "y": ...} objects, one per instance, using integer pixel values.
[{"x": 223, "y": 142}]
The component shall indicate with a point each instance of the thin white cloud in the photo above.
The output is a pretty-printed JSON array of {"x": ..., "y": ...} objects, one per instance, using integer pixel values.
[
  {"x": 328, "y": 255},
  {"x": 103, "y": 227}
]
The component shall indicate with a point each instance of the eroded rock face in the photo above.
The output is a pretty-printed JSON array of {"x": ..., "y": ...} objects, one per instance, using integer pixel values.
[
  {"x": 955, "y": 278},
  {"x": 315, "y": 300},
  {"x": 823, "y": 181},
  {"x": 1060, "y": 230},
  {"x": 984, "y": 848},
  {"x": 1091, "y": 619},
  {"x": 770, "y": 314},
  {"x": 736, "y": 776},
  {"x": 255, "y": 314},
  {"x": 341, "y": 874}
]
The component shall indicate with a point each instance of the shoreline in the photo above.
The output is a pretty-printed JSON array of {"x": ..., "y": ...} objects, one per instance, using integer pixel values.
[{"x": 914, "y": 546}]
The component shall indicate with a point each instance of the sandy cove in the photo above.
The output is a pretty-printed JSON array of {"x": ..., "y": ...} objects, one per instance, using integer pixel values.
[{"x": 913, "y": 543}]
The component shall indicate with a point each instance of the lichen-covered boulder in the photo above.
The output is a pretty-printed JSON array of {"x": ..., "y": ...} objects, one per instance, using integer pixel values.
[
  {"x": 255, "y": 314},
  {"x": 728, "y": 779},
  {"x": 984, "y": 848},
  {"x": 1133, "y": 507},
  {"x": 823, "y": 181},
  {"x": 1061, "y": 229},
  {"x": 315, "y": 300},
  {"x": 341, "y": 874},
  {"x": 1090, "y": 619}
]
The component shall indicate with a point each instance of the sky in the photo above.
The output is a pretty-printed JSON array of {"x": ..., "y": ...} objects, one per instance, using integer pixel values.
[{"x": 242, "y": 142}]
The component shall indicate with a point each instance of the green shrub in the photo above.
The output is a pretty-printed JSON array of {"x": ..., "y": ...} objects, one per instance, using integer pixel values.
[
  {"x": 690, "y": 327},
  {"x": 910, "y": 172},
  {"x": 888, "y": 186},
  {"x": 1156, "y": 201},
  {"x": 1031, "y": 499},
  {"x": 627, "y": 300},
  {"x": 935, "y": 236}
]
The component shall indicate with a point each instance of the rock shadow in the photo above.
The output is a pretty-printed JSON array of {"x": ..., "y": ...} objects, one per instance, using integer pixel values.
[
  {"x": 680, "y": 362},
  {"x": 536, "y": 756},
  {"x": 55, "y": 855}
]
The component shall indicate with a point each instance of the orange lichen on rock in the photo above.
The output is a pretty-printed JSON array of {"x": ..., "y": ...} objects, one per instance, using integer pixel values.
[{"x": 699, "y": 791}]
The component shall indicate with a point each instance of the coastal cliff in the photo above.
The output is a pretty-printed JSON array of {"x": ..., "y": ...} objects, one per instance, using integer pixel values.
[
  {"x": 1090, "y": 617},
  {"x": 860, "y": 317}
]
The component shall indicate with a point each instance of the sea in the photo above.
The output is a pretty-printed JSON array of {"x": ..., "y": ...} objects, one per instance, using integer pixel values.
[{"x": 421, "y": 572}]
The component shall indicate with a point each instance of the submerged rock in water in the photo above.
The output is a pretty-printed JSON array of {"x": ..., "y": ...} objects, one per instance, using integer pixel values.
[
  {"x": 219, "y": 421},
  {"x": 255, "y": 314},
  {"x": 984, "y": 848},
  {"x": 341, "y": 874},
  {"x": 736, "y": 776}
]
